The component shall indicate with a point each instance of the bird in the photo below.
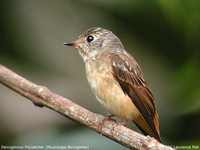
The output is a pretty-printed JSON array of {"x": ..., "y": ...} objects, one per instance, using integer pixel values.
[{"x": 117, "y": 80}]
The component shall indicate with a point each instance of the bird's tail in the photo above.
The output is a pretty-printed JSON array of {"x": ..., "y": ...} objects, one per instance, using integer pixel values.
[{"x": 147, "y": 129}]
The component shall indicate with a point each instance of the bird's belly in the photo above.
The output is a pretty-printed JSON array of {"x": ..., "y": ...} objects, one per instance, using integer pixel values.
[{"x": 109, "y": 93}]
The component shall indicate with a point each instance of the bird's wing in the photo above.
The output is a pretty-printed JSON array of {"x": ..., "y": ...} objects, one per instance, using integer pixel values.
[{"x": 129, "y": 75}]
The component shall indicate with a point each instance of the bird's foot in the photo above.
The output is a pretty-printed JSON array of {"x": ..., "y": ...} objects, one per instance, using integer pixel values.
[
  {"x": 110, "y": 118},
  {"x": 123, "y": 123},
  {"x": 106, "y": 119}
]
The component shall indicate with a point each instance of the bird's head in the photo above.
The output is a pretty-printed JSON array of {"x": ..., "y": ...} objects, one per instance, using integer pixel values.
[{"x": 96, "y": 40}]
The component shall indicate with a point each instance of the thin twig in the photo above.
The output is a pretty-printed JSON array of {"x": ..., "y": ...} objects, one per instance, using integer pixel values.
[{"x": 42, "y": 96}]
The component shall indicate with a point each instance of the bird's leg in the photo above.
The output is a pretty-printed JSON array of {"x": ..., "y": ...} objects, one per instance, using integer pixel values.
[
  {"x": 106, "y": 119},
  {"x": 123, "y": 123},
  {"x": 110, "y": 118}
]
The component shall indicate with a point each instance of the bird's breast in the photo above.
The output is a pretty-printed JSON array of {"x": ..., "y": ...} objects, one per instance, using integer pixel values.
[{"x": 107, "y": 90}]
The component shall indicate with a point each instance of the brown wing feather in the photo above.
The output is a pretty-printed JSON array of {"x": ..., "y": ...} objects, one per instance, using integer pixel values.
[{"x": 128, "y": 74}]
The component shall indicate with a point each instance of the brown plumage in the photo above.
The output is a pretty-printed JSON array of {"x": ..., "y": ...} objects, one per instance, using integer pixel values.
[
  {"x": 129, "y": 76},
  {"x": 117, "y": 80}
]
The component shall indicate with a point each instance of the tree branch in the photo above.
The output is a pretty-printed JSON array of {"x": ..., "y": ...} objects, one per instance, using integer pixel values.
[{"x": 42, "y": 96}]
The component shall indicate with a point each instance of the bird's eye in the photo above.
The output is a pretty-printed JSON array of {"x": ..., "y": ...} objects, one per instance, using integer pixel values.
[{"x": 90, "y": 38}]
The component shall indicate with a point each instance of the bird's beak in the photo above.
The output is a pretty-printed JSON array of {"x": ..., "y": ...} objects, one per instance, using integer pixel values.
[{"x": 73, "y": 44}]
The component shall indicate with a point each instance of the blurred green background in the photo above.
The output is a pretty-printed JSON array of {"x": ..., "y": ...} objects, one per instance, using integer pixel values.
[{"x": 163, "y": 36}]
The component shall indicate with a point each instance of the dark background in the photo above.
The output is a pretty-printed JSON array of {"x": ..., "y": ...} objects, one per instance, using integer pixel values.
[{"x": 163, "y": 36}]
